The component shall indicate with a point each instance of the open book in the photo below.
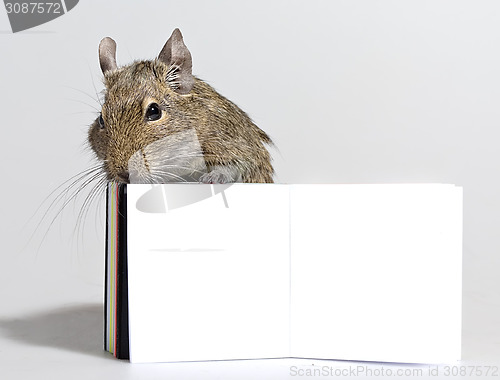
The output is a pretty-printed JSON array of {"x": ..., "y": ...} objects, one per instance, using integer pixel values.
[{"x": 352, "y": 272}]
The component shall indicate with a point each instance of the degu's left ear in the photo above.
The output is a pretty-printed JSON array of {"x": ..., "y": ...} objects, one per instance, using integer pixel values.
[{"x": 176, "y": 55}]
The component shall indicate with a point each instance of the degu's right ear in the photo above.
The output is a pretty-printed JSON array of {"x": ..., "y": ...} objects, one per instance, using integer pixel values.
[
  {"x": 177, "y": 56},
  {"x": 107, "y": 55}
]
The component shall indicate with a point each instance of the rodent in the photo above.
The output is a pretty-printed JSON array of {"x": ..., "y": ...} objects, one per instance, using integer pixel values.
[{"x": 160, "y": 123}]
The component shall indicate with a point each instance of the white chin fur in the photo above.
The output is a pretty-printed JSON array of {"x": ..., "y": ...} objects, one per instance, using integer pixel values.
[{"x": 177, "y": 157}]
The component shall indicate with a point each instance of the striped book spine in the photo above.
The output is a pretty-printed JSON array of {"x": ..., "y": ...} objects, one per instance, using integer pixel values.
[{"x": 116, "y": 286}]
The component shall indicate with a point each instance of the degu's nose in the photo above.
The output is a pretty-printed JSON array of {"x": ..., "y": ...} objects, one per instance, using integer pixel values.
[{"x": 124, "y": 176}]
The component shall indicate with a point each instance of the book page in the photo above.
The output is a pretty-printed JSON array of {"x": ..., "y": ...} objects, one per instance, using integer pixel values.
[
  {"x": 376, "y": 272},
  {"x": 208, "y": 272}
]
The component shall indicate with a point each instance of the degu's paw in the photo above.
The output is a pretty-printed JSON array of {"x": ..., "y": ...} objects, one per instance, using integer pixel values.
[{"x": 215, "y": 177}]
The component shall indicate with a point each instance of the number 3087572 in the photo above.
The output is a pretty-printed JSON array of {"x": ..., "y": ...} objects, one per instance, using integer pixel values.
[{"x": 33, "y": 8}]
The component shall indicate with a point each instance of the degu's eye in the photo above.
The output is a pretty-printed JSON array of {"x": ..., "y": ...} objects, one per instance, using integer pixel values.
[
  {"x": 153, "y": 112},
  {"x": 101, "y": 122}
]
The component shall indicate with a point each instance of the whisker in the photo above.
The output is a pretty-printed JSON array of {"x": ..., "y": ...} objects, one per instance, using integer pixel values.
[
  {"x": 168, "y": 169},
  {"x": 82, "y": 102},
  {"x": 76, "y": 178},
  {"x": 96, "y": 192},
  {"x": 161, "y": 176},
  {"x": 84, "y": 93},
  {"x": 95, "y": 88},
  {"x": 88, "y": 199},
  {"x": 186, "y": 168},
  {"x": 64, "y": 198}
]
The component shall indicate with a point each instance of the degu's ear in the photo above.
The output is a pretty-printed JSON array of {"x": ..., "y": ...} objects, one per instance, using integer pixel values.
[
  {"x": 177, "y": 56},
  {"x": 107, "y": 55}
]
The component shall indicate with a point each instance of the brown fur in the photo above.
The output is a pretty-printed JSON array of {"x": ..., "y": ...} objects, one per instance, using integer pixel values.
[{"x": 228, "y": 137}]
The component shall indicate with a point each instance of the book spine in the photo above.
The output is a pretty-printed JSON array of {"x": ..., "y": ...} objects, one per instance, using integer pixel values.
[{"x": 116, "y": 337}]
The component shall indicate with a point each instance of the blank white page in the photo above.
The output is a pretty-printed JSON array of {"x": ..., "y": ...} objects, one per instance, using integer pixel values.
[
  {"x": 208, "y": 276},
  {"x": 376, "y": 272}
]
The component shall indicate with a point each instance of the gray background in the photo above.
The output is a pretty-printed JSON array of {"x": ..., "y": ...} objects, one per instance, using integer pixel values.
[{"x": 350, "y": 91}]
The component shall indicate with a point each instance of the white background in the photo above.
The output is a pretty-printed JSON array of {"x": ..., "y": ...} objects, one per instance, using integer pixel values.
[{"x": 350, "y": 91}]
